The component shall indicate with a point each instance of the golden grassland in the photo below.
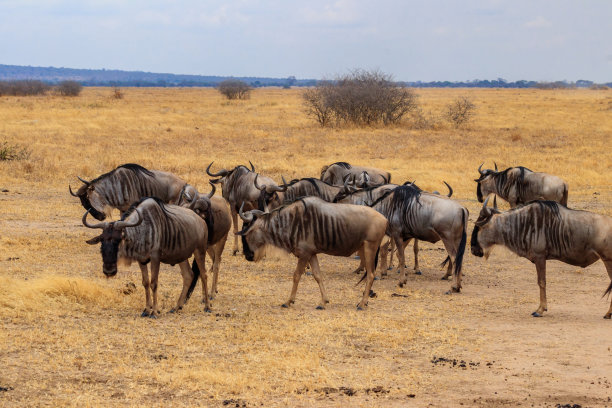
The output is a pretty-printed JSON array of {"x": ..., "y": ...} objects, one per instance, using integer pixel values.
[{"x": 70, "y": 337}]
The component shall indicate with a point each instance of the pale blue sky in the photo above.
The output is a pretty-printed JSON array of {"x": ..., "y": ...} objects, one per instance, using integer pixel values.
[{"x": 412, "y": 40}]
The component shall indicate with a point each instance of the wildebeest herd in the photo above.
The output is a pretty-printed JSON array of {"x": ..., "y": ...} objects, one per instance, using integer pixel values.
[{"x": 348, "y": 209}]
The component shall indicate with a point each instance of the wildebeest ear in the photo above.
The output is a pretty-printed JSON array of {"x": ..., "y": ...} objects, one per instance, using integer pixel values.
[{"x": 95, "y": 240}]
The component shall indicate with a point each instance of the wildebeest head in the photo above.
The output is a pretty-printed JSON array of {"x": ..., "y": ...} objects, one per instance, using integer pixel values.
[
  {"x": 253, "y": 241},
  {"x": 90, "y": 199},
  {"x": 112, "y": 234},
  {"x": 486, "y": 183},
  {"x": 270, "y": 193},
  {"x": 348, "y": 188},
  {"x": 486, "y": 213},
  {"x": 223, "y": 173}
]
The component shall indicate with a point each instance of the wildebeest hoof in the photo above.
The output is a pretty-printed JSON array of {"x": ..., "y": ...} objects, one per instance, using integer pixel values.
[
  {"x": 417, "y": 273},
  {"x": 234, "y": 252},
  {"x": 456, "y": 290},
  {"x": 359, "y": 307},
  {"x": 207, "y": 310},
  {"x": 372, "y": 294},
  {"x": 320, "y": 307},
  {"x": 448, "y": 292},
  {"x": 285, "y": 305},
  {"x": 152, "y": 316},
  {"x": 172, "y": 311},
  {"x": 608, "y": 316},
  {"x": 376, "y": 278},
  {"x": 401, "y": 284},
  {"x": 536, "y": 314},
  {"x": 145, "y": 313}
]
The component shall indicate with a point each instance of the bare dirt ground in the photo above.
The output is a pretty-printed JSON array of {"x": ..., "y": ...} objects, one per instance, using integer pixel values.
[{"x": 70, "y": 337}]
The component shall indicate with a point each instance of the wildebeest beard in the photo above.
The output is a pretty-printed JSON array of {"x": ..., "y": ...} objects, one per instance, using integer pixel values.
[
  {"x": 475, "y": 246},
  {"x": 479, "y": 192}
]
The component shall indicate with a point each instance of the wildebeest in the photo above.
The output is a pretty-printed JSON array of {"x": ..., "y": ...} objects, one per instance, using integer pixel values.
[
  {"x": 151, "y": 231},
  {"x": 336, "y": 174},
  {"x": 519, "y": 185},
  {"x": 238, "y": 187},
  {"x": 311, "y": 226},
  {"x": 368, "y": 196},
  {"x": 288, "y": 193},
  {"x": 216, "y": 210},
  {"x": 123, "y": 186},
  {"x": 542, "y": 230},
  {"x": 413, "y": 213}
]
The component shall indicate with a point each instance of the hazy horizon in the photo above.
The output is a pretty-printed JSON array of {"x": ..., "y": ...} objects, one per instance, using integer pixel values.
[{"x": 541, "y": 40}]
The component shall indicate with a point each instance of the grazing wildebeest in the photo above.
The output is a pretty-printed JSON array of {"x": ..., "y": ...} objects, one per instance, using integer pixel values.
[
  {"x": 288, "y": 193},
  {"x": 336, "y": 174},
  {"x": 238, "y": 187},
  {"x": 126, "y": 184},
  {"x": 415, "y": 214},
  {"x": 542, "y": 230},
  {"x": 215, "y": 209},
  {"x": 151, "y": 231},
  {"x": 519, "y": 185},
  {"x": 311, "y": 226}
]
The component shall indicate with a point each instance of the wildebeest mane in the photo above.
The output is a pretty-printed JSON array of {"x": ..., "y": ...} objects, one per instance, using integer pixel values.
[
  {"x": 341, "y": 164},
  {"x": 136, "y": 168},
  {"x": 133, "y": 207}
]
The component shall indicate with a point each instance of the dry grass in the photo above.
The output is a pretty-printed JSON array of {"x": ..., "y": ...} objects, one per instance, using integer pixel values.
[{"x": 71, "y": 338}]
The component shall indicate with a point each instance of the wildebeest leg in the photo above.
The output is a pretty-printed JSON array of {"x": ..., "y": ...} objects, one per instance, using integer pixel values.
[
  {"x": 299, "y": 270},
  {"x": 540, "y": 264},
  {"x": 608, "y": 265},
  {"x": 384, "y": 251},
  {"x": 218, "y": 249},
  {"x": 187, "y": 275},
  {"x": 147, "y": 285},
  {"x": 392, "y": 250},
  {"x": 452, "y": 248},
  {"x": 361, "y": 266},
  {"x": 154, "y": 277},
  {"x": 401, "y": 268},
  {"x": 200, "y": 258},
  {"x": 316, "y": 273},
  {"x": 369, "y": 251},
  {"x": 416, "y": 257},
  {"x": 235, "y": 226},
  {"x": 449, "y": 269}
]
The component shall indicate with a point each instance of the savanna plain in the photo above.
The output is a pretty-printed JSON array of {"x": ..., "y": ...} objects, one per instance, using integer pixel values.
[{"x": 71, "y": 337}]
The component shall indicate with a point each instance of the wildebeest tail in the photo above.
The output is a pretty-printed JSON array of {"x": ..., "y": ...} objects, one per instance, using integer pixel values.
[
  {"x": 366, "y": 269},
  {"x": 564, "y": 198},
  {"x": 607, "y": 292},
  {"x": 194, "y": 282},
  {"x": 447, "y": 260},
  {"x": 461, "y": 250}
]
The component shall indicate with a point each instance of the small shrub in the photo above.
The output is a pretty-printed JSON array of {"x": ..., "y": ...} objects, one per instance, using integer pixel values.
[
  {"x": 460, "y": 111},
  {"x": 234, "y": 89},
  {"x": 69, "y": 88},
  {"x": 361, "y": 98},
  {"x": 26, "y": 87},
  {"x": 13, "y": 152}
]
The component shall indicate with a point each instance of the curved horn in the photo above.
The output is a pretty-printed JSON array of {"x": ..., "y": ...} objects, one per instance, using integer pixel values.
[
  {"x": 245, "y": 218},
  {"x": 71, "y": 193},
  {"x": 486, "y": 202},
  {"x": 252, "y": 167},
  {"x": 212, "y": 192},
  {"x": 221, "y": 173},
  {"x": 450, "y": 189},
  {"x": 257, "y": 186},
  {"x": 495, "y": 165},
  {"x": 84, "y": 181},
  {"x": 277, "y": 188},
  {"x": 480, "y": 169},
  {"x": 88, "y": 225},
  {"x": 125, "y": 224}
]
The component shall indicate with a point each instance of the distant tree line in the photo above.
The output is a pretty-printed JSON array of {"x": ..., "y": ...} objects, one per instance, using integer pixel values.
[{"x": 29, "y": 87}]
